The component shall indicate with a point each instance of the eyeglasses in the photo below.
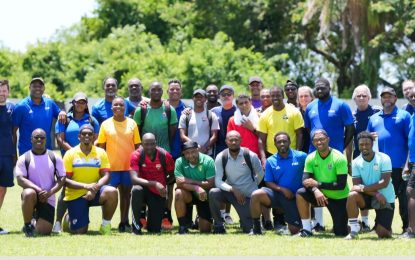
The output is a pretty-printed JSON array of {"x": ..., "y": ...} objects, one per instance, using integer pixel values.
[
  {"x": 39, "y": 137},
  {"x": 227, "y": 94},
  {"x": 290, "y": 89},
  {"x": 87, "y": 134},
  {"x": 361, "y": 96}
]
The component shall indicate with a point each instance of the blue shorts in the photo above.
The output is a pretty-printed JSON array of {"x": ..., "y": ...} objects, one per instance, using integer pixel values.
[
  {"x": 78, "y": 210},
  {"x": 120, "y": 177},
  {"x": 278, "y": 200},
  {"x": 6, "y": 171}
]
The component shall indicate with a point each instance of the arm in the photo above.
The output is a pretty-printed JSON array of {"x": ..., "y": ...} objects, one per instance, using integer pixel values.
[
  {"x": 173, "y": 129},
  {"x": 44, "y": 194},
  {"x": 15, "y": 144},
  {"x": 60, "y": 138},
  {"x": 349, "y": 153},
  {"x": 191, "y": 185},
  {"x": 348, "y": 136},
  {"x": 372, "y": 189},
  {"x": 299, "y": 136},
  {"x": 263, "y": 147},
  {"x": 183, "y": 136},
  {"x": 102, "y": 145},
  {"x": 273, "y": 186},
  {"x": 212, "y": 140},
  {"x": 26, "y": 183}
]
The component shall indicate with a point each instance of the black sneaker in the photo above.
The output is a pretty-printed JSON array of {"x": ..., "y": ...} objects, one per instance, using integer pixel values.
[
  {"x": 256, "y": 231},
  {"x": 305, "y": 233},
  {"x": 195, "y": 225},
  {"x": 364, "y": 228},
  {"x": 183, "y": 230},
  {"x": 28, "y": 230},
  {"x": 319, "y": 228},
  {"x": 219, "y": 230},
  {"x": 268, "y": 225},
  {"x": 136, "y": 231},
  {"x": 121, "y": 227}
]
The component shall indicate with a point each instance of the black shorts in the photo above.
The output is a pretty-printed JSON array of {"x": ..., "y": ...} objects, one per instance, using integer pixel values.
[
  {"x": 44, "y": 211},
  {"x": 202, "y": 207},
  {"x": 6, "y": 171},
  {"x": 336, "y": 207},
  {"x": 384, "y": 217},
  {"x": 289, "y": 207}
]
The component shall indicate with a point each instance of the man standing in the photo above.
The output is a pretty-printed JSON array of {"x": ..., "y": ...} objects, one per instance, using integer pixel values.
[
  {"x": 290, "y": 90},
  {"x": 88, "y": 172},
  {"x": 255, "y": 86},
  {"x": 325, "y": 185},
  {"x": 195, "y": 173},
  {"x": 391, "y": 126},
  {"x": 408, "y": 87},
  {"x": 212, "y": 97},
  {"x": 372, "y": 188},
  {"x": 8, "y": 151},
  {"x": 135, "y": 91},
  {"x": 35, "y": 112},
  {"x": 238, "y": 173},
  {"x": 283, "y": 177},
  {"x": 151, "y": 169},
  {"x": 41, "y": 175}
]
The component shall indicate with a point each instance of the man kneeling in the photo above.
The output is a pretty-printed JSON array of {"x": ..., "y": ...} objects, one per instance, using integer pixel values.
[{"x": 372, "y": 188}]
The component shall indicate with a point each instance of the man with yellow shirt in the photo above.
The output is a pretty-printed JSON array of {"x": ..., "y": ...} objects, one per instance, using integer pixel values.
[
  {"x": 119, "y": 136},
  {"x": 87, "y": 173}
]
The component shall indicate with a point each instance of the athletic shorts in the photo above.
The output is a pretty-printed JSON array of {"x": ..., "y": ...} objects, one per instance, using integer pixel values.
[
  {"x": 289, "y": 207},
  {"x": 44, "y": 211},
  {"x": 202, "y": 207},
  {"x": 120, "y": 177},
  {"x": 78, "y": 210},
  {"x": 384, "y": 217},
  {"x": 6, "y": 171}
]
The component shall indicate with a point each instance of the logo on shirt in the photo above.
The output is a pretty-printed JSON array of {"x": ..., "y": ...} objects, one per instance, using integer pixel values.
[
  {"x": 277, "y": 167},
  {"x": 376, "y": 167},
  {"x": 330, "y": 166},
  {"x": 158, "y": 166},
  {"x": 164, "y": 115},
  {"x": 285, "y": 117},
  {"x": 243, "y": 163},
  {"x": 332, "y": 111},
  {"x": 294, "y": 163},
  {"x": 144, "y": 165},
  {"x": 47, "y": 108}
]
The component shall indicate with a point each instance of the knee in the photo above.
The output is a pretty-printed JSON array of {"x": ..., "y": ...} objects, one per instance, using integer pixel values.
[
  {"x": 257, "y": 194},
  {"x": 352, "y": 196},
  {"x": 178, "y": 195},
  {"x": 383, "y": 232},
  {"x": 29, "y": 194},
  {"x": 137, "y": 189},
  {"x": 300, "y": 192},
  {"x": 214, "y": 193},
  {"x": 110, "y": 193}
]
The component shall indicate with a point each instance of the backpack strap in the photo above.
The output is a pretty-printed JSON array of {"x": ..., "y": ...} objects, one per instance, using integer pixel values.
[
  {"x": 142, "y": 157},
  {"x": 162, "y": 157},
  {"x": 224, "y": 162},
  {"x": 209, "y": 116},
  {"x": 143, "y": 114},
  {"x": 248, "y": 162},
  {"x": 188, "y": 117},
  {"x": 167, "y": 110},
  {"x": 247, "y": 159},
  {"x": 27, "y": 159}
]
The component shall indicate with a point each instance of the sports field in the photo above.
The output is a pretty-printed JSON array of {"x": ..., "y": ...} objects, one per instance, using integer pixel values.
[{"x": 169, "y": 243}]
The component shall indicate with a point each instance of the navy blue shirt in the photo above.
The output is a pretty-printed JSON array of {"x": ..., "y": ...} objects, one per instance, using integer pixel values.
[
  {"x": 101, "y": 110},
  {"x": 408, "y": 108},
  {"x": 411, "y": 140},
  {"x": 286, "y": 172},
  {"x": 393, "y": 131},
  {"x": 361, "y": 119},
  {"x": 333, "y": 116},
  {"x": 6, "y": 130},
  {"x": 223, "y": 118},
  {"x": 28, "y": 116},
  {"x": 176, "y": 149}
]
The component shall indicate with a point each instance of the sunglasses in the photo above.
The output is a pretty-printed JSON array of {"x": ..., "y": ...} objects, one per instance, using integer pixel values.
[
  {"x": 227, "y": 94},
  {"x": 87, "y": 134},
  {"x": 39, "y": 137}
]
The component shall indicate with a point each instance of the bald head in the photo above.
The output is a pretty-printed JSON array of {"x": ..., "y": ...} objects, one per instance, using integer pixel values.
[{"x": 149, "y": 137}]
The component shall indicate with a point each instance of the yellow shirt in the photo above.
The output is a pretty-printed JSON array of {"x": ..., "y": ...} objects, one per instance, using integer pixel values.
[
  {"x": 84, "y": 168},
  {"x": 120, "y": 138},
  {"x": 287, "y": 120}
]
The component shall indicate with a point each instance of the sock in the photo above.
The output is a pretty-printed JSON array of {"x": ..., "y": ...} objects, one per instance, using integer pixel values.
[
  {"x": 306, "y": 224},
  {"x": 365, "y": 219},
  {"x": 354, "y": 225},
  {"x": 257, "y": 223},
  {"x": 319, "y": 216},
  {"x": 105, "y": 222},
  {"x": 182, "y": 221}
]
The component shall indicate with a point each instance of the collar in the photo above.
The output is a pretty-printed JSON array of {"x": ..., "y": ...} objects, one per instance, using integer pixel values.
[
  {"x": 290, "y": 155},
  {"x": 42, "y": 102},
  {"x": 394, "y": 112},
  {"x": 326, "y": 102}
]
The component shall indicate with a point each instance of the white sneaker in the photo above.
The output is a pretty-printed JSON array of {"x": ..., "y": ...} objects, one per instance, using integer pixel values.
[
  {"x": 57, "y": 228},
  {"x": 283, "y": 230},
  {"x": 228, "y": 219},
  {"x": 3, "y": 231}
]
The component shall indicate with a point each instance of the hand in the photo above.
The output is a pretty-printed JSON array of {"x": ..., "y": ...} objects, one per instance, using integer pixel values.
[
  {"x": 247, "y": 124},
  {"x": 355, "y": 188},
  {"x": 310, "y": 183},
  {"x": 263, "y": 162},
  {"x": 406, "y": 173},
  {"x": 92, "y": 187},
  {"x": 162, "y": 190},
  {"x": 89, "y": 195},
  {"x": 43, "y": 196},
  {"x": 322, "y": 201},
  {"x": 349, "y": 169},
  {"x": 202, "y": 193},
  {"x": 240, "y": 198},
  {"x": 62, "y": 117},
  {"x": 287, "y": 193},
  {"x": 143, "y": 103},
  {"x": 374, "y": 134},
  {"x": 187, "y": 111},
  {"x": 379, "y": 196}
]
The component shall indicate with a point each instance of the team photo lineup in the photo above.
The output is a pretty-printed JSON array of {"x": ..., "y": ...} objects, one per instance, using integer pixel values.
[{"x": 276, "y": 155}]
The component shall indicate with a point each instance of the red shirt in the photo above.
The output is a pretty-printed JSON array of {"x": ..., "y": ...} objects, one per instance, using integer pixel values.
[
  {"x": 249, "y": 139},
  {"x": 152, "y": 170}
]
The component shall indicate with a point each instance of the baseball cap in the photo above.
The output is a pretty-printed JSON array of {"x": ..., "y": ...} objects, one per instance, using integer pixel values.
[
  {"x": 226, "y": 87},
  {"x": 37, "y": 79},
  {"x": 388, "y": 90},
  {"x": 80, "y": 96},
  {"x": 254, "y": 79},
  {"x": 189, "y": 145},
  {"x": 86, "y": 126},
  {"x": 199, "y": 91}
]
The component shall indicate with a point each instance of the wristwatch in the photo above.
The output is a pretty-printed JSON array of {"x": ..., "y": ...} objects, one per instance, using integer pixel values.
[{"x": 362, "y": 187}]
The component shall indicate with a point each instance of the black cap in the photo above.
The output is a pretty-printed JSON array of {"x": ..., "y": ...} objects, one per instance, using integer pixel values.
[
  {"x": 189, "y": 145},
  {"x": 254, "y": 79},
  {"x": 291, "y": 82},
  {"x": 388, "y": 90},
  {"x": 322, "y": 81},
  {"x": 226, "y": 87},
  {"x": 199, "y": 91},
  {"x": 86, "y": 126},
  {"x": 37, "y": 79}
]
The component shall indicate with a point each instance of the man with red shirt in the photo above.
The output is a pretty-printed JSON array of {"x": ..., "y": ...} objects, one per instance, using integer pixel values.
[{"x": 151, "y": 168}]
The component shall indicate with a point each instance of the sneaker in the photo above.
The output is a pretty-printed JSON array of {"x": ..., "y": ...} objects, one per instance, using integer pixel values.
[
  {"x": 136, "y": 231},
  {"x": 219, "y": 229},
  {"x": 143, "y": 223},
  {"x": 57, "y": 228},
  {"x": 228, "y": 219},
  {"x": 28, "y": 230},
  {"x": 268, "y": 225},
  {"x": 352, "y": 235},
  {"x": 105, "y": 230},
  {"x": 183, "y": 230},
  {"x": 319, "y": 228},
  {"x": 305, "y": 233},
  {"x": 283, "y": 230},
  {"x": 256, "y": 231},
  {"x": 407, "y": 235},
  {"x": 165, "y": 224},
  {"x": 127, "y": 226},
  {"x": 3, "y": 231},
  {"x": 279, "y": 227},
  {"x": 364, "y": 228},
  {"x": 121, "y": 227}
]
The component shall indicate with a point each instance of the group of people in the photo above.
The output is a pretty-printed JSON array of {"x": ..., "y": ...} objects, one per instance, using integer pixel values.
[{"x": 275, "y": 148}]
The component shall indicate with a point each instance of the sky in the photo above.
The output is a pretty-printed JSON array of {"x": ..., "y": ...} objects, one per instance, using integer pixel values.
[{"x": 25, "y": 22}]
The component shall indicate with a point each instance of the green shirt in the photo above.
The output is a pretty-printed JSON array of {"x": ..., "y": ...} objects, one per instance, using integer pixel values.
[
  {"x": 156, "y": 123},
  {"x": 203, "y": 171},
  {"x": 326, "y": 170}
]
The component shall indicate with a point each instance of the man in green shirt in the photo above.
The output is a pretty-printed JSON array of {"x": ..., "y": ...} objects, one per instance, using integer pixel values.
[
  {"x": 325, "y": 185},
  {"x": 195, "y": 175}
]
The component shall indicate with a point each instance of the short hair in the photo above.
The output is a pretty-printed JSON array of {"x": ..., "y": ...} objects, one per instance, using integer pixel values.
[
  {"x": 310, "y": 90},
  {"x": 365, "y": 134},
  {"x": 242, "y": 96},
  {"x": 5, "y": 82},
  {"x": 174, "y": 81},
  {"x": 282, "y": 133},
  {"x": 109, "y": 77},
  {"x": 364, "y": 88},
  {"x": 277, "y": 88},
  {"x": 313, "y": 133}
]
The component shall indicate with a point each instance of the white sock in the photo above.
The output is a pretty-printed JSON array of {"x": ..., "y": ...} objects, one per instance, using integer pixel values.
[
  {"x": 222, "y": 213},
  {"x": 306, "y": 224},
  {"x": 365, "y": 219},
  {"x": 354, "y": 225},
  {"x": 105, "y": 222},
  {"x": 318, "y": 213}
]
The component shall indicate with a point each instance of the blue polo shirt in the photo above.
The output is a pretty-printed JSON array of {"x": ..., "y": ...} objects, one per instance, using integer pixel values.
[
  {"x": 72, "y": 129},
  {"x": 28, "y": 116},
  {"x": 332, "y": 116},
  {"x": 393, "y": 131},
  {"x": 101, "y": 110},
  {"x": 6, "y": 130},
  {"x": 408, "y": 108},
  {"x": 411, "y": 140},
  {"x": 286, "y": 172},
  {"x": 361, "y": 119},
  {"x": 223, "y": 118},
  {"x": 177, "y": 143}
]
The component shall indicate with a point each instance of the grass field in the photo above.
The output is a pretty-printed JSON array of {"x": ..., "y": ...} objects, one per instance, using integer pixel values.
[{"x": 169, "y": 243}]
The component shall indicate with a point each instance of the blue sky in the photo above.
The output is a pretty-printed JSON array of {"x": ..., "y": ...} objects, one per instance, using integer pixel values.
[{"x": 23, "y": 22}]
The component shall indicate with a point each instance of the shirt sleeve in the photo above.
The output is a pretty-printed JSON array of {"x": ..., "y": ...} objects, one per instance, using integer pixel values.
[
  {"x": 215, "y": 122},
  {"x": 219, "y": 175},
  {"x": 17, "y": 115},
  {"x": 341, "y": 165},
  {"x": 137, "y": 115},
  {"x": 137, "y": 139},
  {"x": 355, "y": 170},
  {"x": 386, "y": 164},
  {"x": 101, "y": 136},
  {"x": 59, "y": 167},
  {"x": 210, "y": 169},
  {"x": 262, "y": 123},
  {"x": 307, "y": 123},
  {"x": 182, "y": 122},
  {"x": 67, "y": 162},
  {"x": 105, "y": 163},
  {"x": 298, "y": 120},
  {"x": 308, "y": 167},
  {"x": 257, "y": 167},
  {"x": 178, "y": 169},
  {"x": 59, "y": 127},
  {"x": 96, "y": 125},
  {"x": 231, "y": 124},
  {"x": 269, "y": 177},
  {"x": 56, "y": 109},
  {"x": 21, "y": 167},
  {"x": 134, "y": 160},
  {"x": 173, "y": 119},
  {"x": 369, "y": 125},
  {"x": 169, "y": 162}
]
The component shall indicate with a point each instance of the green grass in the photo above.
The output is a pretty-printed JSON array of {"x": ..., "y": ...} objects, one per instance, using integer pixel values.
[{"x": 169, "y": 243}]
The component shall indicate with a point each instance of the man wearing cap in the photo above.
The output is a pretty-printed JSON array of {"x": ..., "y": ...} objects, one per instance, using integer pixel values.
[
  {"x": 195, "y": 176},
  {"x": 135, "y": 91},
  {"x": 35, "y": 111},
  {"x": 408, "y": 90},
  {"x": 391, "y": 126},
  {"x": 255, "y": 86},
  {"x": 102, "y": 109},
  {"x": 290, "y": 89},
  {"x": 87, "y": 172},
  {"x": 201, "y": 125},
  {"x": 212, "y": 94}
]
